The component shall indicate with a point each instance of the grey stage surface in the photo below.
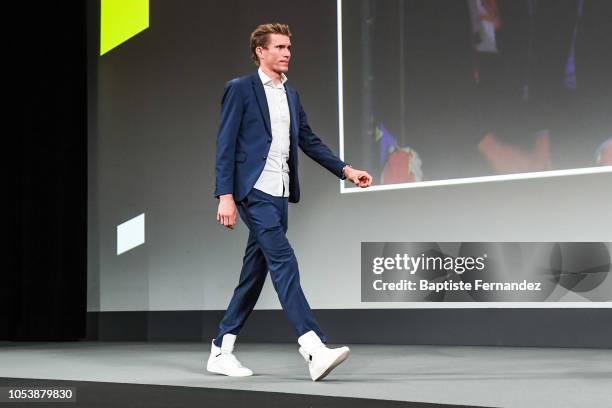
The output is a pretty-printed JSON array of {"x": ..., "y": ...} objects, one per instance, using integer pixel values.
[{"x": 486, "y": 376}]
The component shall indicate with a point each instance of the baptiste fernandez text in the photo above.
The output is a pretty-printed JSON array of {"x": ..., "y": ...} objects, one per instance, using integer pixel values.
[{"x": 479, "y": 284}]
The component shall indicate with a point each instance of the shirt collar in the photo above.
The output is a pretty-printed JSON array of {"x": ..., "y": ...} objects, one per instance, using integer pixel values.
[{"x": 266, "y": 80}]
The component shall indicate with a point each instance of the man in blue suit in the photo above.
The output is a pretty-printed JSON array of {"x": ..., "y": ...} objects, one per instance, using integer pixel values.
[{"x": 262, "y": 125}]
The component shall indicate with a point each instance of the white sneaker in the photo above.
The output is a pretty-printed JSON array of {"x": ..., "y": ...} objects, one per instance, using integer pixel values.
[
  {"x": 321, "y": 359},
  {"x": 223, "y": 361}
]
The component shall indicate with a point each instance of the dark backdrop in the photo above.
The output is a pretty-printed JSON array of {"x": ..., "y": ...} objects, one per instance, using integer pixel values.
[{"x": 43, "y": 290}]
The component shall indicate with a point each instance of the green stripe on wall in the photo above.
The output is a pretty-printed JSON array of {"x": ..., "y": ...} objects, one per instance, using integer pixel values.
[{"x": 120, "y": 20}]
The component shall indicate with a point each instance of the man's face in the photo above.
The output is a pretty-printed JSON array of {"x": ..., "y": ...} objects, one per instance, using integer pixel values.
[{"x": 277, "y": 54}]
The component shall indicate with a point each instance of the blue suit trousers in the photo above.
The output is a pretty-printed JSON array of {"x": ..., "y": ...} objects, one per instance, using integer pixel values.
[{"x": 267, "y": 249}]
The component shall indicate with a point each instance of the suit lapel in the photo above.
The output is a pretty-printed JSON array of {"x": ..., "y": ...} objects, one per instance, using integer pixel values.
[
  {"x": 292, "y": 100},
  {"x": 260, "y": 95}
]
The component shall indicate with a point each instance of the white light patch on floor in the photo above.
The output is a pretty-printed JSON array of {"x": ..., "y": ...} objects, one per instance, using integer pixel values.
[{"x": 131, "y": 234}]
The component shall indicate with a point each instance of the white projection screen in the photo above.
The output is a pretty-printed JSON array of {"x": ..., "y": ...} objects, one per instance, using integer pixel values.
[{"x": 452, "y": 92}]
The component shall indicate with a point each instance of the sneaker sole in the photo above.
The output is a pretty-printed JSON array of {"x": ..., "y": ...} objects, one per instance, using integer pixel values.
[
  {"x": 333, "y": 365},
  {"x": 212, "y": 370}
]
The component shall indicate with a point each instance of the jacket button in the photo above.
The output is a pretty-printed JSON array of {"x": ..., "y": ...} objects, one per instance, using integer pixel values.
[
  {"x": 269, "y": 140},
  {"x": 265, "y": 157}
]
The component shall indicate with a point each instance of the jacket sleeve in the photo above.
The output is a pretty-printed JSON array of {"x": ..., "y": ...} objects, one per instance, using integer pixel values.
[
  {"x": 231, "y": 117},
  {"x": 314, "y": 148}
]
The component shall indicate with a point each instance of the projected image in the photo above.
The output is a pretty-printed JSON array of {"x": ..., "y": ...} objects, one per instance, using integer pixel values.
[{"x": 453, "y": 90}]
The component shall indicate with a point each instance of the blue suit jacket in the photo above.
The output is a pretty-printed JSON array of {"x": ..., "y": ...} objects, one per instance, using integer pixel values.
[{"x": 245, "y": 136}]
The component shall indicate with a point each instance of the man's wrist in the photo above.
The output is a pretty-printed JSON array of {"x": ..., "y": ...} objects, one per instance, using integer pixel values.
[
  {"x": 345, "y": 170},
  {"x": 225, "y": 197}
]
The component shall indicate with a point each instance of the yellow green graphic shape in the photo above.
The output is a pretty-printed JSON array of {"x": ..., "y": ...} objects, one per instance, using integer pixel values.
[{"x": 120, "y": 20}]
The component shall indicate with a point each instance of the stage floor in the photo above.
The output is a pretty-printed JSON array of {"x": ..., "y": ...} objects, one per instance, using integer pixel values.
[{"x": 479, "y": 376}]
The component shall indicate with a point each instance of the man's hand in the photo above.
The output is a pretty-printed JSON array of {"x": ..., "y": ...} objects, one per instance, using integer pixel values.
[
  {"x": 359, "y": 177},
  {"x": 226, "y": 214}
]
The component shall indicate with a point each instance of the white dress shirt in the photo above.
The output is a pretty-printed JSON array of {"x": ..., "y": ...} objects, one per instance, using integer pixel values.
[{"x": 274, "y": 178}]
